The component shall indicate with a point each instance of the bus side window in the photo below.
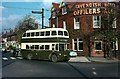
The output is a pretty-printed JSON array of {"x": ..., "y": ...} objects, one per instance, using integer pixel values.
[
  {"x": 53, "y": 46},
  {"x": 47, "y": 33},
  {"x": 28, "y": 34},
  {"x": 36, "y": 46},
  {"x": 54, "y": 33},
  {"x": 27, "y": 46},
  {"x": 32, "y": 34},
  {"x": 42, "y": 47},
  {"x": 32, "y": 47},
  {"x": 56, "y": 47},
  {"x": 47, "y": 47},
  {"x": 65, "y": 33},
  {"x": 37, "y": 33},
  {"x": 42, "y": 33},
  {"x": 24, "y": 35},
  {"x": 60, "y": 33},
  {"x": 61, "y": 47}
]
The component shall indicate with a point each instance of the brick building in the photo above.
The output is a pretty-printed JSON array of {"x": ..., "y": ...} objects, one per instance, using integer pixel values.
[{"x": 84, "y": 21}]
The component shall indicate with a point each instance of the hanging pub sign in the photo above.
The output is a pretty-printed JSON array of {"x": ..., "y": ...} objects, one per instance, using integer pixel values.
[{"x": 93, "y": 8}]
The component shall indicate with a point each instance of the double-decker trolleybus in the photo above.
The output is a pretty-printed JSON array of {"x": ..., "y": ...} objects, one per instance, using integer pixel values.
[{"x": 48, "y": 43}]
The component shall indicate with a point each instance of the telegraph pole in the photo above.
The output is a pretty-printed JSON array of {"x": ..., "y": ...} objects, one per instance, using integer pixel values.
[{"x": 40, "y": 12}]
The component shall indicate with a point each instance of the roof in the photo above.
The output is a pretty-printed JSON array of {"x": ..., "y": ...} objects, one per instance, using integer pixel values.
[
  {"x": 46, "y": 29},
  {"x": 55, "y": 5}
]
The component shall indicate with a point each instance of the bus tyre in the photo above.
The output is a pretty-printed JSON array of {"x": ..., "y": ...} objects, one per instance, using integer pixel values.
[
  {"x": 54, "y": 58},
  {"x": 29, "y": 56}
]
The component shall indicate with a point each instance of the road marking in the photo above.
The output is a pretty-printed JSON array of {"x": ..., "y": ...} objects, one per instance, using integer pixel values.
[
  {"x": 12, "y": 58},
  {"x": 19, "y": 57},
  {"x": 94, "y": 68},
  {"x": 94, "y": 73},
  {"x": 4, "y": 58}
]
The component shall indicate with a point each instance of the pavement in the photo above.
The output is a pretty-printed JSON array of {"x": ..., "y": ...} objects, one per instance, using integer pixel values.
[{"x": 93, "y": 59}]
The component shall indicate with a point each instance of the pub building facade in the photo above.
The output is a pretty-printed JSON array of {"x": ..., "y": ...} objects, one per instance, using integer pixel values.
[{"x": 83, "y": 20}]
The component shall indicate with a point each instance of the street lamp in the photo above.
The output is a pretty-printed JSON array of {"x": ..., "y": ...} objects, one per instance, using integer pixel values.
[{"x": 40, "y": 12}]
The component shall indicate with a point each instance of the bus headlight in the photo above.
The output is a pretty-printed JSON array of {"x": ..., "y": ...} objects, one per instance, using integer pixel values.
[
  {"x": 59, "y": 53},
  {"x": 65, "y": 55}
]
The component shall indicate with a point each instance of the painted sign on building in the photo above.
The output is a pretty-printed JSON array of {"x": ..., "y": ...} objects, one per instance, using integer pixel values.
[{"x": 93, "y": 8}]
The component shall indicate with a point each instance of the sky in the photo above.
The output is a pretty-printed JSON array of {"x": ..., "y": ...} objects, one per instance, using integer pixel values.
[{"x": 12, "y": 11}]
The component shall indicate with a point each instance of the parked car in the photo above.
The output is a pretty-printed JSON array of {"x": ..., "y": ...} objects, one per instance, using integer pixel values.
[{"x": 73, "y": 53}]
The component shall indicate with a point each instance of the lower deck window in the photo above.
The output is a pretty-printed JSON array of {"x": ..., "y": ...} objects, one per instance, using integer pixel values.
[
  {"x": 46, "y": 47},
  {"x": 42, "y": 47},
  {"x": 27, "y": 46},
  {"x": 36, "y": 46}
]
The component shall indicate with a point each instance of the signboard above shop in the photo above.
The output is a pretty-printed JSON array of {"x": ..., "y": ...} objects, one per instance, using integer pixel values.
[{"x": 93, "y": 8}]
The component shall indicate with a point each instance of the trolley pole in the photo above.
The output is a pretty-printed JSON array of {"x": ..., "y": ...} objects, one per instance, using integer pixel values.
[{"x": 40, "y": 12}]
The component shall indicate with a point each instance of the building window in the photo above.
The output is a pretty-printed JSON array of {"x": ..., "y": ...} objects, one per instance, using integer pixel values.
[
  {"x": 114, "y": 23},
  {"x": 64, "y": 24},
  {"x": 53, "y": 14},
  {"x": 96, "y": 21},
  {"x": 98, "y": 45},
  {"x": 76, "y": 23},
  {"x": 53, "y": 25},
  {"x": 64, "y": 8},
  {"x": 78, "y": 44},
  {"x": 114, "y": 45}
]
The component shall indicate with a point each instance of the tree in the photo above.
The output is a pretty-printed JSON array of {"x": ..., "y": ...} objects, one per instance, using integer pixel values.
[
  {"x": 28, "y": 23},
  {"x": 108, "y": 33}
]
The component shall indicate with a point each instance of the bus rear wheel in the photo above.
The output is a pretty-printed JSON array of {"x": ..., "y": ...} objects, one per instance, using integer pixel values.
[
  {"x": 54, "y": 58},
  {"x": 29, "y": 56}
]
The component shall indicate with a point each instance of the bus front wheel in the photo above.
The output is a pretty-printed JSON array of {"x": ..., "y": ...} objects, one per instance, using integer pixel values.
[
  {"x": 29, "y": 56},
  {"x": 54, "y": 58}
]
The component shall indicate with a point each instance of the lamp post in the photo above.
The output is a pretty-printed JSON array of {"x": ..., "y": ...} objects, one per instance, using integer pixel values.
[{"x": 40, "y": 12}]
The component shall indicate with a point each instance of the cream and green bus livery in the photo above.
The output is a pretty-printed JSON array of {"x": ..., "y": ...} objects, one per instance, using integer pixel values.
[{"x": 49, "y": 43}]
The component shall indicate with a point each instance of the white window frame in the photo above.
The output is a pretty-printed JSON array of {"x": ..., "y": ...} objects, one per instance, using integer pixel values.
[
  {"x": 64, "y": 24},
  {"x": 95, "y": 45},
  {"x": 97, "y": 21},
  {"x": 76, "y": 23},
  {"x": 77, "y": 44},
  {"x": 116, "y": 43},
  {"x": 64, "y": 8},
  {"x": 53, "y": 14}
]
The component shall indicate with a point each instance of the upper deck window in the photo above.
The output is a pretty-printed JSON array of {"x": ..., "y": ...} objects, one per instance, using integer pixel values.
[
  {"x": 65, "y": 33},
  {"x": 54, "y": 33},
  {"x": 37, "y": 33},
  {"x": 24, "y": 35},
  {"x": 42, "y": 33},
  {"x": 60, "y": 32},
  {"x": 28, "y": 34},
  {"x": 47, "y": 33},
  {"x": 32, "y": 34}
]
